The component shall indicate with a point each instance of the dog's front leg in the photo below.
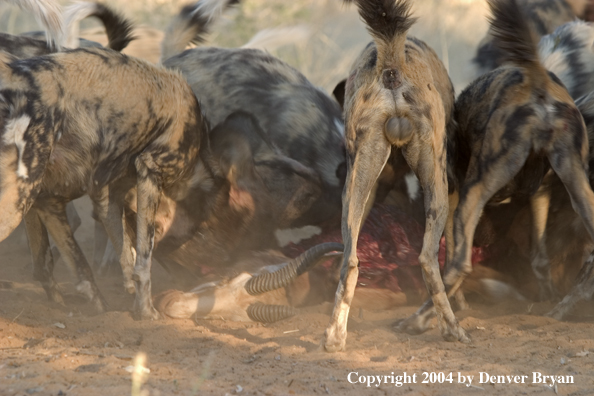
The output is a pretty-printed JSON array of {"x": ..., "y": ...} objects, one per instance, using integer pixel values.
[
  {"x": 364, "y": 167},
  {"x": 109, "y": 209},
  {"x": 148, "y": 197}
]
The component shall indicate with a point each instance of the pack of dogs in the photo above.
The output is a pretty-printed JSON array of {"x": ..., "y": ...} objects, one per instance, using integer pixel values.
[{"x": 205, "y": 156}]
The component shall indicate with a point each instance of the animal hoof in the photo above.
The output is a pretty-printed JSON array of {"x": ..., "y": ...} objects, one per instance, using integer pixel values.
[
  {"x": 332, "y": 342},
  {"x": 412, "y": 325},
  {"x": 147, "y": 314}
]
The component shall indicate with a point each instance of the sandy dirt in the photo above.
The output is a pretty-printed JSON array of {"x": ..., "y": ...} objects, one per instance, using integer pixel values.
[{"x": 90, "y": 355}]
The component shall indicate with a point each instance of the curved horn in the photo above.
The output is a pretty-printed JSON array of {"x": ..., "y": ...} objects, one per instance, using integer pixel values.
[
  {"x": 282, "y": 277},
  {"x": 270, "y": 313}
]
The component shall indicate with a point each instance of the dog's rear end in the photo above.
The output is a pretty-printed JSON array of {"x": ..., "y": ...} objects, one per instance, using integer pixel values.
[{"x": 515, "y": 122}]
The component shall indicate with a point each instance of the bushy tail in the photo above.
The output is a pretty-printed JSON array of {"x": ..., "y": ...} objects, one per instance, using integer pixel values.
[
  {"x": 191, "y": 25},
  {"x": 514, "y": 38},
  {"x": 388, "y": 21},
  {"x": 49, "y": 14},
  {"x": 117, "y": 27}
]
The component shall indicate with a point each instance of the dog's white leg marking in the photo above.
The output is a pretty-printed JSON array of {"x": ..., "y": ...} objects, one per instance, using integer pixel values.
[{"x": 15, "y": 134}]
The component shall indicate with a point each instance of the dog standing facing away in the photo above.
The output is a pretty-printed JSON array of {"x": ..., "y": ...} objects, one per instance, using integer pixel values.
[
  {"x": 85, "y": 122},
  {"x": 515, "y": 122},
  {"x": 399, "y": 100}
]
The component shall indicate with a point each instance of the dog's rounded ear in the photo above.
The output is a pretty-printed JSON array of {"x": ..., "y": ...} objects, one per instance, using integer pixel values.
[{"x": 338, "y": 93}]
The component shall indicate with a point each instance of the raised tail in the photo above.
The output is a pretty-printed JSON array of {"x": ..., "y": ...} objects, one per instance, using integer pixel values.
[
  {"x": 388, "y": 22},
  {"x": 117, "y": 27},
  {"x": 515, "y": 39},
  {"x": 191, "y": 25},
  {"x": 49, "y": 14}
]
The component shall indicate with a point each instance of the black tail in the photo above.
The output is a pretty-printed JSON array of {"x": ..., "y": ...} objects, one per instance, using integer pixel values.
[
  {"x": 117, "y": 27},
  {"x": 514, "y": 38},
  {"x": 386, "y": 19}
]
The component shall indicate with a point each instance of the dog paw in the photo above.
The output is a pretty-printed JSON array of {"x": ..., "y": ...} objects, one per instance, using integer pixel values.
[{"x": 412, "y": 325}]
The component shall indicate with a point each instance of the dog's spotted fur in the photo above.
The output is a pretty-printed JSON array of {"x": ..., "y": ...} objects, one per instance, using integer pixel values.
[
  {"x": 302, "y": 120},
  {"x": 399, "y": 101},
  {"x": 84, "y": 122},
  {"x": 515, "y": 123}
]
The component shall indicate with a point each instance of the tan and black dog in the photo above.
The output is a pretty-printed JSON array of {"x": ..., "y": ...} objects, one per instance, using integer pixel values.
[
  {"x": 515, "y": 123},
  {"x": 399, "y": 101},
  {"x": 85, "y": 122}
]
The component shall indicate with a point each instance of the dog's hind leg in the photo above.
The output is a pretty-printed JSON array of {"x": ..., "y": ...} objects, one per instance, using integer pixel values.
[
  {"x": 431, "y": 172},
  {"x": 449, "y": 237},
  {"x": 53, "y": 214},
  {"x": 571, "y": 169},
  {"x": 43, "y": 261},
  {"x": 480, "y": 185},
  {"x": 364, "y": 168},
  {"x": 539, "y": 205}
]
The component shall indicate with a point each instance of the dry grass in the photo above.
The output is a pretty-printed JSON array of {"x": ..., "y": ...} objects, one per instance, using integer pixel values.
[{"x": 453, "y": 28}]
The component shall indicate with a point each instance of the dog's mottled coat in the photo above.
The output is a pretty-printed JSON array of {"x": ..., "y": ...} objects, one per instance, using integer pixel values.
[
  {"x": 82, "y": 122},
  {"x": 515, "y": 123}
]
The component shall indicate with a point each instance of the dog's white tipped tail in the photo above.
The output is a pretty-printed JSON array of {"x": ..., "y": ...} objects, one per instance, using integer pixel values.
[
  {"x": 49, "y": 14},
  {"x": 271, "y": 39},
  {"x": 191, "y": 25}
]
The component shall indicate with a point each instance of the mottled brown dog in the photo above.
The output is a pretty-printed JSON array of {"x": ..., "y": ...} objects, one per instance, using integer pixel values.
[
  {"x": 516, "y": 123},
  {"x": 399, "y": 101},
  {"x": 85, "y": 122}
]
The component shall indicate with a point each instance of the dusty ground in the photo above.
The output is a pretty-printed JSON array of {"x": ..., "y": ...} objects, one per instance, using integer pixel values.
[{"x": 89, "y": 356}]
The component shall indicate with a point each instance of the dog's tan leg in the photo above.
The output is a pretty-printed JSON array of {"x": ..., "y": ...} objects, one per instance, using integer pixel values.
[
  {"x": 539, "y": 205},
  {"x": 149, "y": 194},
  {"x": 53, "y": 215},
  {"x": 431, "y": 172},
  {"x": 571, "y": 170},
  {"x": 110, "y": 212},
  {"x": 363, "y": 170},
  {"x": 43, "y": 261}
]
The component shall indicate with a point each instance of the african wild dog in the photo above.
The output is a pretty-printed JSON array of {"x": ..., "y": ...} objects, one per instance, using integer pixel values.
[
  {"x": 93, "y": 121},
  {"x": 301, "y": 120},
  {"x": 399, "y": 101},
  {"x": 543, "y": 15},
  {"x": 515, "y": 123}
]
